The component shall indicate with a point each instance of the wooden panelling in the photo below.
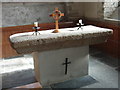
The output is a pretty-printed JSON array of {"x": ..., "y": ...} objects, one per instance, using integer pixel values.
[
  {"x": 111, "y": 47},
  {"x": 8, "y": 51}
]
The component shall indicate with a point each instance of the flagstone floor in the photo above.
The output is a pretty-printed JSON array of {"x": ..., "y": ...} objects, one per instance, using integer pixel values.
[{"x": 19, "y": 71}]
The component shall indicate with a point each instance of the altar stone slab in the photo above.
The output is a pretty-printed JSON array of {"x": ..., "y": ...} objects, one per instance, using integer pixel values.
[
  {"x": 25, "y": 43},
  {"x": 60, "y": 56}
]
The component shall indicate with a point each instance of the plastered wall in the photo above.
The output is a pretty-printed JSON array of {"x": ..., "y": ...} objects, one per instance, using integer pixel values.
[
  {"x": 75, "y": 10},
  {"x": 93, "y": 10},
  {"x": 17, "y": 13}
]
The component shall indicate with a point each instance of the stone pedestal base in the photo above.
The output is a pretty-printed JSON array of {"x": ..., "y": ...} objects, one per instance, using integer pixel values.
[{"x": 49, "y": 68}]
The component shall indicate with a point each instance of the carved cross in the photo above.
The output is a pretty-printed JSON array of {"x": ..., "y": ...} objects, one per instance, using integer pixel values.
[
  {"x": 56, "y": 15},
  {"x": 66, "y": 65}
]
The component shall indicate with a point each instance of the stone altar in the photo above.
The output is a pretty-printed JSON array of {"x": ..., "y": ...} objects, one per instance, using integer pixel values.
[{"x": 60, "y": 56}]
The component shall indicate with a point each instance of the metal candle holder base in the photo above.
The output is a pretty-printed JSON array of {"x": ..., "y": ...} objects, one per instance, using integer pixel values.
[
  {"x": 80, "y": 26},
  {"x": 36, "y": 31}
]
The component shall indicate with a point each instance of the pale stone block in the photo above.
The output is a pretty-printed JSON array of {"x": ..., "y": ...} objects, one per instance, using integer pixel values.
[{"x": 49, "y": 68}]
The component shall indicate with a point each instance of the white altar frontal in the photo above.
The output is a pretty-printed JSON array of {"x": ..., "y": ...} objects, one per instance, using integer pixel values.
[{"x": 60, "y": 56}]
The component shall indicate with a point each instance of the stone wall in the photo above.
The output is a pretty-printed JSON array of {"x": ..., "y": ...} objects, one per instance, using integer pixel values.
[
  {"x": 116, "y": 14},
  {"x": 110, "y": 7},
  {"x": 23, "y": 13}
]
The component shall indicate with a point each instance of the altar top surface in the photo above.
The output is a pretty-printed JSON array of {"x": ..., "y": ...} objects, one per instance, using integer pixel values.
[
  {"x": 67, "y": 37},
  {"x": 86, "y": 31}
]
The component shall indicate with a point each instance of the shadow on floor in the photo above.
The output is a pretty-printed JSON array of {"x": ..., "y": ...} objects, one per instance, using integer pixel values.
[
  {"x": 103, "y": 57},
  {"x": 75, "y": 83},
  {"x": 18, "y": 78},
  {"x": 24, "y": 77}
]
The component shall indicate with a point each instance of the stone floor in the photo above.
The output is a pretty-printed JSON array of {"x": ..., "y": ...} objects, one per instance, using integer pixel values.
[{"x": 19, "y": 71}]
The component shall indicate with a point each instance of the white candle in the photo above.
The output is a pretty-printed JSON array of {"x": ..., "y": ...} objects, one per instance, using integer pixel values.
[
  {"x": 80, "y": 21},
  {"x": 36, "y": 24}
]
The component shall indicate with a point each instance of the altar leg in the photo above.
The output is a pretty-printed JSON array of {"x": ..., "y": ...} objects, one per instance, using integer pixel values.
[{"x": 50, "y": 66}]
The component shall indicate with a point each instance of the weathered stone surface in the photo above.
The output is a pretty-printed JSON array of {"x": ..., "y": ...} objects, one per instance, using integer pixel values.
[
  {"x": 69, "y": 37},
  {"x": 110, "y": 7}
]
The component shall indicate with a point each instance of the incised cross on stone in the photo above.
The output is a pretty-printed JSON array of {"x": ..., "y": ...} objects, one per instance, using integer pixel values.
[
  {"x": 66, "y": 64},
  {"x": 56, "y": 15}
]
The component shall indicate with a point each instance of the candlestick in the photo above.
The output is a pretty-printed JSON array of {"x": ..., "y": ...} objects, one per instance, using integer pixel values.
[
  {"x": 80, "y": 24},
  {"x": 80, "y": 21},
  {"x": 36, "y": 24},
  {"x": 36, "y": 28}
]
